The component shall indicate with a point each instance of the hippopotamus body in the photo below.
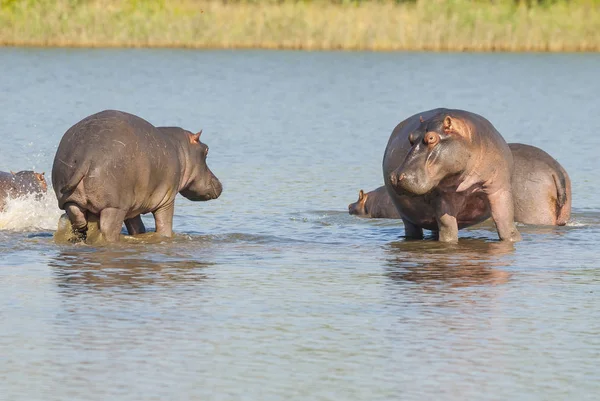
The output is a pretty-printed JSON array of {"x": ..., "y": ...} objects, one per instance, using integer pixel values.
[
  {"x": 541, "y": 187},
  {"x": 448, "y": 169},
  {"x": 19, "y": 184},
  {"x": 117, "y": 166},
  {"x": 375, "y": 204}
]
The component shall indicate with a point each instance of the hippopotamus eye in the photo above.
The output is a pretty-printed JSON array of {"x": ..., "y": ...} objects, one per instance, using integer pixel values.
[
  {"x": 431, "y": 138},
  {"x": 206, "y": 151}
]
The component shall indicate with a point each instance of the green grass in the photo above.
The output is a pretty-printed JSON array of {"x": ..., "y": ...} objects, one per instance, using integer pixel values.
[{"x": 456, "y": 25}]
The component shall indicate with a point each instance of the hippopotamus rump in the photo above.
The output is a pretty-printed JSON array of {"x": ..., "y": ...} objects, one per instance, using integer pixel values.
[
  {"x": 541, "y": 187},
  {"x": 374, "y": 204},
  {"x": 21, "y": 183},
  {"x": 446, "y": 169},
  {"x": 117, "y": 166}
]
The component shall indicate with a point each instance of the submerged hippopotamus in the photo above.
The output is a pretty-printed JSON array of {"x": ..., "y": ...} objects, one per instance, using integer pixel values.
[
  {"x": 117, "y": 166},
  {"x": 541, "y": 187},
  {"x": 448, "y": 169},
  {"x": 19, "y": 184},
  {"x": 374, "y": 204}
]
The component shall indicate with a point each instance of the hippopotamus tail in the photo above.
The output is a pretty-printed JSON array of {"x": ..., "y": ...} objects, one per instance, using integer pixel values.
[
  {"x": 563, "y": 196},
  {"x": 75, "y": 179}
]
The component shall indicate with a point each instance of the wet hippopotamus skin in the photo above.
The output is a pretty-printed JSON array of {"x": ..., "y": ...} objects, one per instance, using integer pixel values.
[
  {"x": 541, "y": 187},
  {"x": 375, "y": 204},
  {"x": 117, "y": 166},
  {"x": 21, "y": 183},
  {"x": 447, "y": 169}
]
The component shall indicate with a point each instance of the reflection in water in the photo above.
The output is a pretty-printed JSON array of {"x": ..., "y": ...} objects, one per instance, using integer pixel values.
[
  {"x": 78, "y": 269},
  {"x": 469, "y": 262}
]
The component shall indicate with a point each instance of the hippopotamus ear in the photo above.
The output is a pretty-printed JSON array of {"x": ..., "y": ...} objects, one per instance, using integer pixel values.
[
  {"x": 13, "y": 173},
  {"x": 361, "y": 195},
  {"x": 456, "y": 126},
  {"x": 195, "y": 138}
]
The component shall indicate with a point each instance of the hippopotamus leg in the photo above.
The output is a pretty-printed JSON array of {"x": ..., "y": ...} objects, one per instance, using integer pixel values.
[
  {"x": 135, "y": 225},
  {"x": 502, "y": 210},
  {"x": 77, "y": 215},
  {"x": 446, "y": 220},
  {"x": 412, "y": 231},
  {"x": 164, "y": 220},
  {"x": 111, "y": 222}
]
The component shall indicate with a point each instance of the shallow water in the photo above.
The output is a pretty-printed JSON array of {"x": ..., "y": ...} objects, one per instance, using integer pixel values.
[{"x": 273, "y": 291}]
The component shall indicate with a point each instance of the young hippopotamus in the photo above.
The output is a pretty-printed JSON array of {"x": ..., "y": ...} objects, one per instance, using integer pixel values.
[
  {"x": 374, "y": 204},
  {"x": 541, "y": 187},
  {"x": 447, "y": 169},
  {"x": 19, "y": 184},
  {"x": 117, "y": 166}
]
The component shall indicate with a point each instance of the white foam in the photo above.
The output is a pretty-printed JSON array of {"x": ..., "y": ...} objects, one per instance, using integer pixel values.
[{"x": 26, "y": 213}]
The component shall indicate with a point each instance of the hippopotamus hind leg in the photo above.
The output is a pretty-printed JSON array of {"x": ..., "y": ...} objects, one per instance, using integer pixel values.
[
  {"x": 77, "y": 215},
  {"x": 135, "y": 225},
  {"x": 111, "y": 222}
]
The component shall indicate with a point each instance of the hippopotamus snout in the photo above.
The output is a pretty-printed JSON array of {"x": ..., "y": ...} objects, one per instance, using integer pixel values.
[
  {"x": 396, "y": 177},
  {"x": 216, "y": 188},
  {"x": 410, "y": 182}
]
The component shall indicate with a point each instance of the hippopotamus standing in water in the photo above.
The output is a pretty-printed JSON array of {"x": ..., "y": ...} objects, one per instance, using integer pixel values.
[
  {"x": 20, "y": 184},
  {"x": 541, "y": 191},
  {"x": 541, "y": 187},
  {"x": 117, "y": 166},
  {"x": 374, "y": 204},
  {"x": 448, "y": 169}
]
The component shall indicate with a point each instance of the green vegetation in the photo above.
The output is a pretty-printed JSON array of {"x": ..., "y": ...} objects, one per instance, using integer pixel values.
[{"x": 461, "y": 25}]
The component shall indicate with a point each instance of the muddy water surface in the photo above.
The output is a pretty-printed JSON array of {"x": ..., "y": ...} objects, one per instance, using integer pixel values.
[{"x": 273, "y": 291}]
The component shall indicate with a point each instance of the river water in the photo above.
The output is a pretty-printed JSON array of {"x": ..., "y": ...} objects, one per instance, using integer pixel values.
[{"x": 273, "y": 291}]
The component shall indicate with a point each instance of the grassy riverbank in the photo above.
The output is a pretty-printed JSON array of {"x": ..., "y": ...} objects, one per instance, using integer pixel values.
[{"x": 456, "y": 25}]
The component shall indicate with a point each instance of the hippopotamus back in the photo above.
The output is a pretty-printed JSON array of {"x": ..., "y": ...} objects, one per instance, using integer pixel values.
[{"x": 19, "y": 184}]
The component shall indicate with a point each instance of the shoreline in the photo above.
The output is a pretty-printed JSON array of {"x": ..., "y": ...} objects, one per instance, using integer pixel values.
[{"x": 424, "y": 26}]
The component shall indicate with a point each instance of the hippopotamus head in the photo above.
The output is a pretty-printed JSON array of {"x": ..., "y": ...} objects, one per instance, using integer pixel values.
[
  {"x": 439, "y": 152},
  {"x": 30, "y": 182},
  {"x": 202, "y": 184},
  {"x": 359, "y": 207}
]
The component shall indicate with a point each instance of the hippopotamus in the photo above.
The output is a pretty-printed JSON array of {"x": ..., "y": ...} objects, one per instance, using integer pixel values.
[
  {"x": 118, "y": 166},
  {"x": 541, "y": 187},
  {"x": 21, "y": 183},
  {"x": 375, "y": 204},
  {"x": 447, "y": 169}
]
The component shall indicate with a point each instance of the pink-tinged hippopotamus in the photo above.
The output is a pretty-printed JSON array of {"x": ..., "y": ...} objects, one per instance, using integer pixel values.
[
  {"x": 19, "y": 184},
  {"x": 448, "y": 169},
  {"x": 541, "y": 187},
  {"x": 375, "y": 204},
  {"x": 117, "y": 166}
]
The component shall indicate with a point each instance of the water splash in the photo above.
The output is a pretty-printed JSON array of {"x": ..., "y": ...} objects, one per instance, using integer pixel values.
[{"x": 28, "y": 213}]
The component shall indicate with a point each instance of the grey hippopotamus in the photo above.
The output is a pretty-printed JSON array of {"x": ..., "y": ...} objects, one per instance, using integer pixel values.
[
  {"x": 375, "y": 204},
  {"x": 117, "y": 166},
  {"x": 21, "y": 183},
  {"x": 541, "y": 187},
  {"x": 447, "y": 169}
]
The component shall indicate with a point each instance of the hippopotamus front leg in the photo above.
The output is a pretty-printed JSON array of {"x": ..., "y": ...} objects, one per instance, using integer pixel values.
[
  {"x": 412, "y": 231},
  {"x": 446, "y": 220},
  {"x": 502, "y": 210},
  {"x": 164, "y": 220},
  {"x": 135, "y": 225}
]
